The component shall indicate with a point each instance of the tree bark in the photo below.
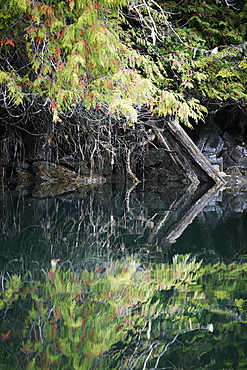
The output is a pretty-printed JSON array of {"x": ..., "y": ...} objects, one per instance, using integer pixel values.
[
  {"x": 178, "y": 158},
  {"x": 189, "y": 153}
]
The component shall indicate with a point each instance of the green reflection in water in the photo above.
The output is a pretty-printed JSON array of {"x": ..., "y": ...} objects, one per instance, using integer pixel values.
[{"x": 182, "y": 316}]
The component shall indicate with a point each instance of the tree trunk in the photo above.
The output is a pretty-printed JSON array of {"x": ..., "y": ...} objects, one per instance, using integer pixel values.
[{"x": 186, "y": 154}]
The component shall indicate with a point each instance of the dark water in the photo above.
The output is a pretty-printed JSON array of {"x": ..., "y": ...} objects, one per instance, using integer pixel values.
[
  {"x": 100, "y": 223},
  {"x": 115, "y": 237}
]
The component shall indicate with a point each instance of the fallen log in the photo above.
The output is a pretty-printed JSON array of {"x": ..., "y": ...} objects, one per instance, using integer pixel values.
[
  {"x": 187, "y": 152},
  {"x": 179, "y": 160}
]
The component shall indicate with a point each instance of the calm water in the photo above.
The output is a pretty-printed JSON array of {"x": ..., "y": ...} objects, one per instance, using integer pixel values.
[
  {"x": 102, "y": 223},
  {"x": 114, "y": 237}
]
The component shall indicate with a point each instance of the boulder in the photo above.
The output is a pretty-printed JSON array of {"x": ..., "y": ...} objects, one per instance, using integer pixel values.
[
  {"x": 52, "y": 179},
  {"x": 238, "y": 154},
  {"x": 52, "y": 172}
]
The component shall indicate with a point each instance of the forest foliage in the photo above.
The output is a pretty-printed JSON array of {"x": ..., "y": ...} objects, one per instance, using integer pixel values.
[
  {"x": 118, "y": 56},
  {"x": 77, "y": 76}
]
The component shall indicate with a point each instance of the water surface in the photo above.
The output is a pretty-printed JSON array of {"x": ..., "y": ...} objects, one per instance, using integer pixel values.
[{"x": 119, "y": 297}]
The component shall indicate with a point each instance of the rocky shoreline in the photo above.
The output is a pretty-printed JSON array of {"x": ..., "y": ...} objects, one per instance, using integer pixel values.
[{"x": 226, "y": 153}]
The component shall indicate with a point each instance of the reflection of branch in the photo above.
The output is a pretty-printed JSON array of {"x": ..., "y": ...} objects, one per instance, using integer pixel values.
[
  {"x": 127, "y": 196},
  {"x": 153, "y": 346},
  {"x": 229, "y": 3},
  {"x": 128, "y": 168},
  {"x": 174, "y": 340}
]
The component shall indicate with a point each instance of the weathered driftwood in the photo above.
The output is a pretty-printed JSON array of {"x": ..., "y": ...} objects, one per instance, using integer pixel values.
[
  {"x": 179, "y": 160},
  {"x": 192, "y": 150},
  {"x": 184, "y": 152}
]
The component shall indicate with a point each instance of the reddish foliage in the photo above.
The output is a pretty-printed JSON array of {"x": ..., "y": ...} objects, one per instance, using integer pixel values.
[
  {"x": 38, "y": 39},
  {"x": 9, "y": 42},
  {"x": 90, "y": 96},
  {"x": 5, "y": 336},
  {"x": 96, "y": 5},
  {"x": 110, "y": 85},
  {"x": 60, "y": 66},
  {"x": 6, "y": 41},
  {"x": 54, "y": 331},
  {"x": 51, "y": 275}
]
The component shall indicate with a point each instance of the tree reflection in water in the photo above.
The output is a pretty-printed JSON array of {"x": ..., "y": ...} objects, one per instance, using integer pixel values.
[
  {"x": 95, "y": 223},
  {"x": 182, "y": 315},
  {"x": 119, "y": 298}
]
